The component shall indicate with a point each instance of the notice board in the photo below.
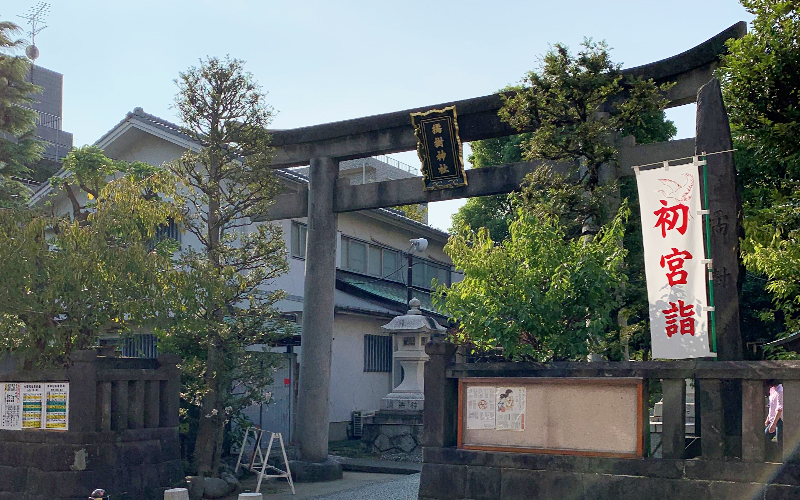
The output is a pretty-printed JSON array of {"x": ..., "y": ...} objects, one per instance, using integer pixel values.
[
  {"x": 576, "y": 416},
  {"x": 34, "y": 405}
]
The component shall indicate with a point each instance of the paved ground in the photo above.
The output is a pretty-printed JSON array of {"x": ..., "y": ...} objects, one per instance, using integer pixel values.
[
  {"x": 353, "y": 486},
  {"x": 403, "y": 488}
]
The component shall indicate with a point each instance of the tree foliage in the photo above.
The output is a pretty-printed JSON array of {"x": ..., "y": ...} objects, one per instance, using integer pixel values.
[
  {"x": 760, "y": 79},
  {"x": 539, "y": 294},
  {"x": 224, "y": 303},
  {"x": 414, "y": 211},
  {"x": 18, "y": 144},
  {"x": 760, "y": 76},
  {"x": 560, "y": 101},
  {"x": 70, "y": 279},
  {"x": 576, "y": 104}
]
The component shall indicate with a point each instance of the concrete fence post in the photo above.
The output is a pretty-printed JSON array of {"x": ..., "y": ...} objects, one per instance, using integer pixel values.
[
  {"x": 673, "y": 435},
  {"x": 170, "y": 397},
  {"x": 82, "y": 377},
  {"x": 439, "y": 420},
  {"x": 791, "y": 420},
  {"x": 753, "y": 414}
]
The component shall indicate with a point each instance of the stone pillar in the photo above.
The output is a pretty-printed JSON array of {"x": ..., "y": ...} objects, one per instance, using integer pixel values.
[
  {"x": 320, "y": 284},
  {"x": 673, "y": 435},
  {"x": 176, "y": 494},
  {"x": 440, "y": 419},
  {"x": 83, "y": 391},
  {"x": 714, "y": 134},
  {"x": 753, "y": 414},
  {"x": 170, "y": 400}
]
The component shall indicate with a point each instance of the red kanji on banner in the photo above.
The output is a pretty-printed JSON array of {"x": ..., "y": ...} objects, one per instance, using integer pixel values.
[
  {"x": 686, "y": 313},
  {"x": 675, "y": 217},
  {"x": 676, "y": 276}
]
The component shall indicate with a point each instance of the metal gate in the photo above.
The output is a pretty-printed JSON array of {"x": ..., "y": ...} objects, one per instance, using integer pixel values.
[{"x": 276, "y": 415}]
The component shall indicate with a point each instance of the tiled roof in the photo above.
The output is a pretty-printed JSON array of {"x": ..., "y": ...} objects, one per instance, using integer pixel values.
[
  {"x": 391, "y": 293},
  {"x": 151, "y": 120},
  {"x": 294, "y": 175}
]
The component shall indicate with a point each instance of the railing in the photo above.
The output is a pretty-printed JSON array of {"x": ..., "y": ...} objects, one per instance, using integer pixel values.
[
  {"x": 397, "y": 164},
  {"x": 48, "y": 120},
  {"x": 729, "y": 395}
]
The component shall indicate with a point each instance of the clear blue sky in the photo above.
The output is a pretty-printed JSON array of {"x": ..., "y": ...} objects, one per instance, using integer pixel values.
[{"x": 325, "y": 61}]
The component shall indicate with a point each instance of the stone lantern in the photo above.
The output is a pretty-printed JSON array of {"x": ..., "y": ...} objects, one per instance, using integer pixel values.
[
  {"x": 411, "y": 331},
  {"x": 397, "y": 426}
]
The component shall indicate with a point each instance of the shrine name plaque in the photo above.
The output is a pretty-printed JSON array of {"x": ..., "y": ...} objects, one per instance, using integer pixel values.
[{"x": 575, "y": 416}]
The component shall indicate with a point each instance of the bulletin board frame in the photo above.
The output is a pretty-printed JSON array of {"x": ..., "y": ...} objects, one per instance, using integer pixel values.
[{"x": 631, "y": 383}]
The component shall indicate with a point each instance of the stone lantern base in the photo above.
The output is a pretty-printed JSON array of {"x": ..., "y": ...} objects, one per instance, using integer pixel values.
[{"x": 390, "y": 432}]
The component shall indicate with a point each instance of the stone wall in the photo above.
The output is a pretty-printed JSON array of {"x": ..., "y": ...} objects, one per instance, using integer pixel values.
[
  {"x": 67, "y": 465},
  {"x": 389, "y": 432},
  {"x": 122, "y": 436},
  {"x": 718, "y": 472},
  {"x": 449, "y": 473}
]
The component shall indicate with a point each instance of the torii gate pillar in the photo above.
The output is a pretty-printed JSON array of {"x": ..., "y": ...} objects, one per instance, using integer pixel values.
[{"x": 318, "y": 304}]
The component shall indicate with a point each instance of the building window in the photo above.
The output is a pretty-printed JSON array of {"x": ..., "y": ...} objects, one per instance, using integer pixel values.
[
  {"x": 299, "y": 232},
  {"x": 374, "y": 260},
  {"x": 377, "y": 353},
  {"x": 424, "y": 272},
  {"x": 140, "y": 346},
  {"x": 168, "y": 231}
]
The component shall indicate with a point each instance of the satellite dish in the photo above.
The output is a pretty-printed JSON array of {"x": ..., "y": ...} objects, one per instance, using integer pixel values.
[{"x": 32, "y": 52}]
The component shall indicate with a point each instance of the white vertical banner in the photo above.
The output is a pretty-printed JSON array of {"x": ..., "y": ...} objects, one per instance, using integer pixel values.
[{"x": 672, "y": 229}]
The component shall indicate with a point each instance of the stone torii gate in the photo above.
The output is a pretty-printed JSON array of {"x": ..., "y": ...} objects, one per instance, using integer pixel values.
[{"x": 324, "y": 146}]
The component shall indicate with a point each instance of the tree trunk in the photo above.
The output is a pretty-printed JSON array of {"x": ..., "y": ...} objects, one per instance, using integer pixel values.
[
  {"x": 218, "y": 445},
  {"x": 212, "y": 417}
]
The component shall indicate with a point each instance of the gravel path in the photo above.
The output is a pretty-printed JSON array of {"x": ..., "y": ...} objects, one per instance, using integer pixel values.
[{"x": 404, "y": 488}]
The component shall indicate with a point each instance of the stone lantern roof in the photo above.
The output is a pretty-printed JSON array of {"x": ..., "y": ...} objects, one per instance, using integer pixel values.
[{"x": 413, "y": 322}]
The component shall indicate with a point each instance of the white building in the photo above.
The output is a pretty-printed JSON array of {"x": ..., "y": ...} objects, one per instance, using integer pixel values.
[{"x": 371, "y": 273}]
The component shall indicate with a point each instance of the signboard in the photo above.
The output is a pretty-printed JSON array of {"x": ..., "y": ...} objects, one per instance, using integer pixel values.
[
  {"x": 32, "y": 396},
  {"x": 675, "y": 264},
  {"x": 480, "y": 407},
  {"x": 439, "y": 148},
  {"x": 34, "y": 405},
  {"x": 56, "y": 406},
  {"x": 11, "y": 406},
  {"x": 592, "y": 417}
]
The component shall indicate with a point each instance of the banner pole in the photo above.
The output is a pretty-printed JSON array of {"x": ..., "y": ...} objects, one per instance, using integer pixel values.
[{"x": 710, "y": 277}]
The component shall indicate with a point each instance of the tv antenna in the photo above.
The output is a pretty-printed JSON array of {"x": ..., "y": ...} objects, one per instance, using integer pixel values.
[{"x": 35, "y": 17}]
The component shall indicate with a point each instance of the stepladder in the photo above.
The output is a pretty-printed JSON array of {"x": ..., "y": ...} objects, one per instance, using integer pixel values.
[{"x": 258, "y": 462}]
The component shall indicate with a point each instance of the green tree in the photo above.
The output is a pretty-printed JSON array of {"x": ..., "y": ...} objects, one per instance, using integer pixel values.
[
  {"x": 538, "y": 294},
  {"x": 577, "y": 104},
  {"x": 18, "y": 144},
  {"x": 760, "y": 79},
  {"x": 760, "y": 76},
  {"x": 561, "y": 99},
  {"x": 72, "y": 278},
  {"x": 496, "y": 211},
  {"x": 224, "y": 303}
]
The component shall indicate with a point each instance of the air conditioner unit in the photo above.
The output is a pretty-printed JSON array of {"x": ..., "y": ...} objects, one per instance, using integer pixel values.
[{"x": 357, "y": 421}]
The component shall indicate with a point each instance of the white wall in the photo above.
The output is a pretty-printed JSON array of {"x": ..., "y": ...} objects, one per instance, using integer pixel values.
[{"x": 351, "y": 387}]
